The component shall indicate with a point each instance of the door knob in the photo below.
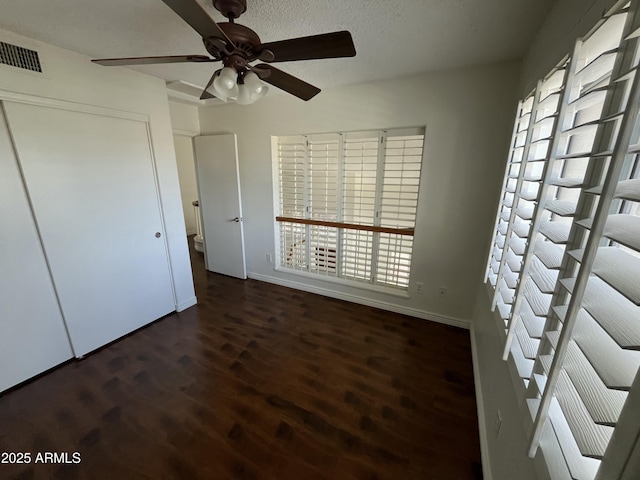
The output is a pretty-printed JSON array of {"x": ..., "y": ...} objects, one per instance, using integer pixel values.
[
  {"x": 237, "y": 219},
  {"x": 158, "y": 234}
]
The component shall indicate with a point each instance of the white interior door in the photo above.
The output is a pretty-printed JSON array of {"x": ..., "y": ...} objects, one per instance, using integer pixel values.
[
  {"x": 91, "y": 181},
  {"x": 220, "y": 204},
  {"x": 32, "y": 334}
]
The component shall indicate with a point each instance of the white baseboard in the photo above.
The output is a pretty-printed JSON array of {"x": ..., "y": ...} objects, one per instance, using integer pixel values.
[
  {"x": 184, "y": 305},
  {"x": 413, "y": 312},
  {"x": 482, "y": 424}
]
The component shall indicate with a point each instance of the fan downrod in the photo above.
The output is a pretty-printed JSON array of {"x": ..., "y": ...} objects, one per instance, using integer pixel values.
[{"x": 231, "y": 9}]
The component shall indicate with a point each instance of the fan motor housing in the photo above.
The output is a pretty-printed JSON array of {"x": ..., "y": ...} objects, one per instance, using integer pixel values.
[{"x": 246, "y": 42}]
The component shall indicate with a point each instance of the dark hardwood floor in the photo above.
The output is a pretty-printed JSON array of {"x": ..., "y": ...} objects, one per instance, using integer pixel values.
[{"x": 256, "y": 382}]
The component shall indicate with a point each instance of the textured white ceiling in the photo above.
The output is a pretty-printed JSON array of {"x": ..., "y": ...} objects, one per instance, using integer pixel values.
[{"x": 393, "y": 38}]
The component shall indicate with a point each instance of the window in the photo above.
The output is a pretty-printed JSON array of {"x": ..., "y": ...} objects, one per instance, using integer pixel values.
[
  {"x": 565, "y": 258},
  {"x": 348, "y": 204}
]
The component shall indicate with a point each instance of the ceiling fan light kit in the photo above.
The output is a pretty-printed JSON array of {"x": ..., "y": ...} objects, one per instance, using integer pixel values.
[
  {"x": 224, "y": 84},
  {"x": 251, "y": 90},
  {"x": 237, "y": 46},
  {"x": 245, "y": 87}
]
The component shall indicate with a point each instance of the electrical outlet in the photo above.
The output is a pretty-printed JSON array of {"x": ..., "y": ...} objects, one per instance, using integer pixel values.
[
  {"x": 419, "y": 287},
  {"x": 268, "y": 258},
  {"x": 498, "y": 423},
  {"x": 442, "y": 291}
]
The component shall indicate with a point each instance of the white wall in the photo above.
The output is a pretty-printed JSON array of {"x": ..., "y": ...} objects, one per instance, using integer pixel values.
[
  {"x": 184, "y": 119},
  {"x": 71, "y": 77},
  {"x": 467, "y": 114}
]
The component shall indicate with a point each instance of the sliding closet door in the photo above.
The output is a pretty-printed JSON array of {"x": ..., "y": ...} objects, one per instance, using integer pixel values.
[
  {"x": 92, "y": 185},
  {"x": 32, "y": 334}
]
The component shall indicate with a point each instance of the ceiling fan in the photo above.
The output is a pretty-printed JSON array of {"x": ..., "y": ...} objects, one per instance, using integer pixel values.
[{"x": 238, "y": 46}]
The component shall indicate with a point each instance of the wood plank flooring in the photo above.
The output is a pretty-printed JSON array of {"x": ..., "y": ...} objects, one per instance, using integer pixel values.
[{"x": 256, "y": 382}]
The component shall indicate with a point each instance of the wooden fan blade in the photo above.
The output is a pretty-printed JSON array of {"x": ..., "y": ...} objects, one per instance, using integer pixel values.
[
  {"x": 326, "y": 45},
  {"x": 286, "y": 82},
  {"x": 197, "y": 17},
  {"x": 115, "y": 62},
  {"x": 205, "y": 94}
]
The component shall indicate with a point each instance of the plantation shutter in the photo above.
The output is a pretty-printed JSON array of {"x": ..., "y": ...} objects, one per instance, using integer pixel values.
[
  {"x": 572, "y": 312},
  {"x": 507, "y": 245},
  {"x": 348, "y": 203},
  {"x": 292, "y": 153},
  {"x": 323, "y": 159},
  {"x": 292, "y": 173},
  {"x": 547, "y": 187},
  {"x": 359, "y": 186},
  {"x": 398, "y": 203}
]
